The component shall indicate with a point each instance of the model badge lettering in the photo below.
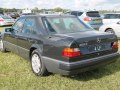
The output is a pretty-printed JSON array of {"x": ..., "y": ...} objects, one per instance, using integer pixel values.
[{"x": 83, "y": 44}]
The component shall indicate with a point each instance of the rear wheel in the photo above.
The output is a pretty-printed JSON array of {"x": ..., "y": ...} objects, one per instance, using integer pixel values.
[
  {"x": 110, "y": 31},
  {"x": 38, "y": 66}
]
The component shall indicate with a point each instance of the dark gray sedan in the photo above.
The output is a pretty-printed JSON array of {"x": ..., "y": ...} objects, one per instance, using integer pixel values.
[{"x": 59, "y": 44}]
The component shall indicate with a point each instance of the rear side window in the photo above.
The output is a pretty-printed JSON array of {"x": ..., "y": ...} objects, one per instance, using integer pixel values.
[
  {"x": 93, "y": 14},
  {"x": 49, "y": 26},
  {"x": 112, "y": 16},
  {"x": 76, "y": 13},
  {"x": 30, "y": 26}
]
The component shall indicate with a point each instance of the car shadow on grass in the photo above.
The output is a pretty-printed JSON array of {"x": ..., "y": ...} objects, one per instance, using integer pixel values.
[{"x": 98, "y": 73}]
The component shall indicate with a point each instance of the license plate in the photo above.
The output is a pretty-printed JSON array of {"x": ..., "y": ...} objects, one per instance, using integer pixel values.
[
  {"x": 96, "y": 48},
  {"x": 98, "y": 20}
]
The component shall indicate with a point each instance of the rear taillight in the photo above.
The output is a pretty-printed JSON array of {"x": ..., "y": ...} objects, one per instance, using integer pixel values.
[
  {"x": 1, "y": 20},
  {"x": 87, "y": 19},
  {"x": 71, "y": 52},
  {"x": 115, "y": 45}
]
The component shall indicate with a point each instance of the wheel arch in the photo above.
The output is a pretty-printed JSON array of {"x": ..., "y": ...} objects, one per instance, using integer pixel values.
[
  {"x": 108, "y": 29},
  {"x": 36, "y": 46}
]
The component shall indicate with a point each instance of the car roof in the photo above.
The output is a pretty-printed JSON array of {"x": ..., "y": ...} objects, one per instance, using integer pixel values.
[
  {"x": 49, "y": 15},
  {"x": 83, "y": 11},
  {"x": 75, "y": 11},
  {"x": 111, "y": 13}
]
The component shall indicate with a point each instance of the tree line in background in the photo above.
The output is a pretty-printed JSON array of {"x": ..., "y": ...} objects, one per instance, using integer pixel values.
[
  {"x": 57, "y": 9},
  {"x": 35, "y": 10}
]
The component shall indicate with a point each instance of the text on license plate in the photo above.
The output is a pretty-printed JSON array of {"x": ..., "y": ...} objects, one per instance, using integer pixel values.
[{"x": 95, "y": 48}]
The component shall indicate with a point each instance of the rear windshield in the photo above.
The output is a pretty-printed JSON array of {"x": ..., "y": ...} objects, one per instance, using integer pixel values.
[
  {"x": 76, "y": 13},
  {"x": 65, "y": 25},
  {"x": 112, "y": 16},
  {"x": 5, "y": 17},
  {"x": 93, "y": 14}
]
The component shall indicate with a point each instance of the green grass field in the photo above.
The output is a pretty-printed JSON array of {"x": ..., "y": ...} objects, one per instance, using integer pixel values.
[{"x": 16, "y": 74}]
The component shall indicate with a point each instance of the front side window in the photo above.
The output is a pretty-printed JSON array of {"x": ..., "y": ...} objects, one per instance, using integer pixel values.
[
  {"x": 19, "y": 24},
  {"x": 65, "y": 25}
]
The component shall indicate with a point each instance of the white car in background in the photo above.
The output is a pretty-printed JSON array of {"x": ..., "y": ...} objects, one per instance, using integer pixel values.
[
  {"x": 111, "y": 28},
  {"x": 111, "y": 18},
  {"x": 91, "y": 18},
  {"x": 6, "y": 20}
]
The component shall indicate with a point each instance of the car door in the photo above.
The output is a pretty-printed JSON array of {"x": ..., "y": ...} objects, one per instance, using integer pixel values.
[
  {"x": 11, "y": 38},
  {"x": 26, "y": 37}
]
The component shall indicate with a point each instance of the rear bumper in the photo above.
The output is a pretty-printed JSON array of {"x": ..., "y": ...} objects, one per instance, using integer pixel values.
[
  {"x": 66, "y": 68},
  {"x": 96, "y": 26}
]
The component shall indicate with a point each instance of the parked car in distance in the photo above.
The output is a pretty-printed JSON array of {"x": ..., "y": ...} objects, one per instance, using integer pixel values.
[
  {"x": 59, "y": 44},
  {"x": 14, "y": 15},
  {"x": 111, "y": 28},
  {"x": 24, "y": 14},
  {"x": 92, "y": 18},
  {"x": 111, "y": 18},
  {"x": 6, "y": 20}
]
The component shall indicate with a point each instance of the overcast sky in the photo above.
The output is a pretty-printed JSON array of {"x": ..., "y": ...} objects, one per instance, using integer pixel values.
[{"x": 68, "y": 4}]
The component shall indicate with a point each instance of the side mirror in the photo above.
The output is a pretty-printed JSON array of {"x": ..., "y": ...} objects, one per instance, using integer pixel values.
[{"x": 8, "y": 29}]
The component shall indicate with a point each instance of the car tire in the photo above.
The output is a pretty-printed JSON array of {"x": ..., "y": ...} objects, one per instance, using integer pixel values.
[
  {"x": 110, "y": 31},
  {"x": 37, "y": 65},
  {"x": 2, "y": 49}
]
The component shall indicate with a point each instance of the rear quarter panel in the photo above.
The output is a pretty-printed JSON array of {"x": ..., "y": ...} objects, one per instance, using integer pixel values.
[{"x": 53, "y": 47}]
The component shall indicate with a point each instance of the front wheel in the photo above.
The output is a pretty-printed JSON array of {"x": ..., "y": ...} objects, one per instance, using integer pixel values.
[{"x": 38, "y": 66}]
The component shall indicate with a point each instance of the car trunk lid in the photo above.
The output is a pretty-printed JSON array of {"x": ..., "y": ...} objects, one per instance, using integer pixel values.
[
  {"x": 92, "y": 44},
  {"x": 94, "y": 41}
]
